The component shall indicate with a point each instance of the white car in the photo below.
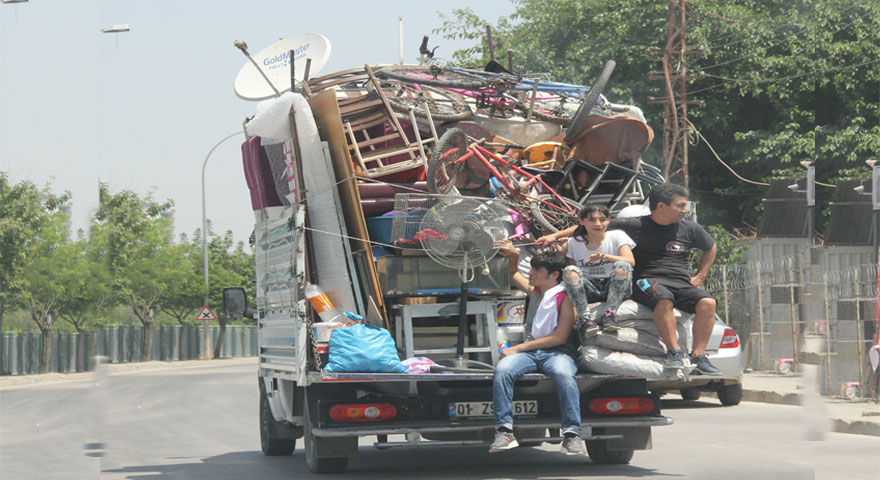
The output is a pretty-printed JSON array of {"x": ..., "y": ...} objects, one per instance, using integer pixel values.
[{"x": 725, "y": 352}]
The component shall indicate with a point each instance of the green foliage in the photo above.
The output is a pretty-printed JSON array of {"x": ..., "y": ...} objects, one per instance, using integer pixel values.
[
  {"x": 727, "y": 252},
  {"x": 186, "y": 289},
  {"x": 87, "y": 291},
  {"x": 127, "y": 269},
  {"x": 132, "y": 238},
  {"x": 231, "y": 265},
  {"x": 31, "y": 228},
  {"x": 785, "y": 81}
]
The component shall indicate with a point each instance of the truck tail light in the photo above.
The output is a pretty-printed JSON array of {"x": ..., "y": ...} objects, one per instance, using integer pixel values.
[
  {"x": 365, "y": 412},
  {"x": 729, "y": 340},
  {"x": 622, "y": 406}
]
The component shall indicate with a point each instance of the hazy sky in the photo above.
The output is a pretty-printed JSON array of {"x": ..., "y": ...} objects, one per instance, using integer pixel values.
[{"x": 140, "y": 110}]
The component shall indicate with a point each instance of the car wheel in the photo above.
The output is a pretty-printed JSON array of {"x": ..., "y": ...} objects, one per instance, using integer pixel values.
[
  {"x": 599, "y": 453},
  {"x": 690, "y": 394},
  {"x": 269, "y": 442},
  {"x": 731, "y": 394}
]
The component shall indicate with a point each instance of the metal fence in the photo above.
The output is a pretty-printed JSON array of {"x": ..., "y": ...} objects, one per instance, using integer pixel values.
[
  {"x": 73, "y": 352},
  {"x": 789, "y": 311}
]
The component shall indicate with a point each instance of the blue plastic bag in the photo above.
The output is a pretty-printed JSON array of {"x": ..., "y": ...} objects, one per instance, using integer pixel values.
[{"x": 363, "y": 348}]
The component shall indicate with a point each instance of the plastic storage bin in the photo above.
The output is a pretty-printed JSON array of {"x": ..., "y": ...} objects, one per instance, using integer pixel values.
[{"x": 415, "y": 276}]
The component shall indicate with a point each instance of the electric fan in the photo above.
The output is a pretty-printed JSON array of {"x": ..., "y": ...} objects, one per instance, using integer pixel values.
[{"x": 463, "y": 233}]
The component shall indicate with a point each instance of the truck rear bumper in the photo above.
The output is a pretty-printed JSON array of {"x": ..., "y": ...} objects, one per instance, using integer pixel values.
[{"x": 444, "y": 427}]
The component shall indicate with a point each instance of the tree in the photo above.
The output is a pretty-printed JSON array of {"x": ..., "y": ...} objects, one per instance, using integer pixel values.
[
  {"x": 31, "y": 230},
  {"x": 86, "y": 283},
  {"x": 230, "y": 266},
  {"x": 87, "y": 293},
  {"x": 786, "y": 81},
  {"x": 135, "y": 242},
  {"x": 186, "y": 289}
]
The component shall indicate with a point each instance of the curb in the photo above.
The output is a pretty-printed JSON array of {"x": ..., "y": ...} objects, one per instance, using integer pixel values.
[
  {"x": 766, "y": 396},
  {"x": 839, "y": 425},
  {"x": 119, "y": 368},
  {"x": 859, "y": 427}
]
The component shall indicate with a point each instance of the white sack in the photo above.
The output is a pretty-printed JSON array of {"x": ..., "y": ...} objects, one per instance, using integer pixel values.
[
  {"x": 600, "y": 360},
  {"x": 628, "y": 340},
  {"x": 272, "y": 122}
]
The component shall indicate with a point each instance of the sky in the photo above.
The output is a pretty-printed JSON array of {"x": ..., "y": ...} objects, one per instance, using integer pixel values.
[{"x": 140, "y": 110}]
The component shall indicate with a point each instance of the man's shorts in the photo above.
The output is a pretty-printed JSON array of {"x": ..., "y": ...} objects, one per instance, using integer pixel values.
[{"x": 684, "y": 296}]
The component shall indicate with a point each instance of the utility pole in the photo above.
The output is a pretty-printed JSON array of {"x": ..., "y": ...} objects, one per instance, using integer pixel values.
[{"x": 675, "y": 77}]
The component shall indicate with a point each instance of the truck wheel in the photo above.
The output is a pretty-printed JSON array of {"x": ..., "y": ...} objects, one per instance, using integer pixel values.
[
  {"x": 315, "y": 464},
  {"x": 599, "y": 453},
  {"x": 731, "y": 394},
  {"x": 270, "y": 443},
  {"x": 690, "y": 394}
]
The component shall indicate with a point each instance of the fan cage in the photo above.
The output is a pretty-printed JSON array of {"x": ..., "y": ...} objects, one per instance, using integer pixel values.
[{"x": 409, "y": 218}]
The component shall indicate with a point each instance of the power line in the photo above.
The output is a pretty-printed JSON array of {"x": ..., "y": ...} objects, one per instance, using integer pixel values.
[
  {"x": 789, "y": 77},
  {"x": 738, "y": 176},
  {"x": 775, "y": 28},
  {"x": 739, "y": 80},
  {"x": 751, "y": 54}
]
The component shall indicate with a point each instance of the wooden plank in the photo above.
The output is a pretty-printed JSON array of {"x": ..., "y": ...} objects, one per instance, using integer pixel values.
[
  {"x": 316, "y": 87},
  {"x": 326, "y": 112},
  {"x": 343, "y": 73},
  {"x": 388, "y": 110},
  {"x": 372, "y": 120},
  {"x": 357, "y": 107},
  {"x": 384, "y": 138}
]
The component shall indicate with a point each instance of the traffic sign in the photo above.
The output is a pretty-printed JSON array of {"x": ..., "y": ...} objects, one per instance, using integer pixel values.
[{"x": 206, "y": 314}]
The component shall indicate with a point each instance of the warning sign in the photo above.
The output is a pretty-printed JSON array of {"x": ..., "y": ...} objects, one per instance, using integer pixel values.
[{"x": 206, "y": 314}]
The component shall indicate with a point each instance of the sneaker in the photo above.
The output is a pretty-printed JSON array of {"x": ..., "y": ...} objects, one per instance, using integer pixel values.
[
  {"x": 606, "y": 321},
  {"x": 704, "y": 366},
  {"x": 573, "y": 445},
  {"x": 589, "y": 328},
  {"x": 674, "y": 359},
  {"x": 503, "y": 441}
]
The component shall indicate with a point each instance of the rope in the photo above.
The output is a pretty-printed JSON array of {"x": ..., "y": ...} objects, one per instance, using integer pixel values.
[
  {"x": 731, "y": 169},
  {"x": 373, "y": 242}
]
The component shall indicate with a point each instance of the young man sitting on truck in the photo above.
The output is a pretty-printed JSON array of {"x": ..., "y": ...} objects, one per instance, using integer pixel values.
[{"x": 549, "y": 321}]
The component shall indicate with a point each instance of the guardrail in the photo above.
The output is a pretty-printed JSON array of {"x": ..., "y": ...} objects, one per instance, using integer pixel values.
[{"x": 74, "y": 352}]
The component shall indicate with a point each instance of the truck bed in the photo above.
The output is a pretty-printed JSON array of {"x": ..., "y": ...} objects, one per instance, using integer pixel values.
[{"x": 434, "y": 377}]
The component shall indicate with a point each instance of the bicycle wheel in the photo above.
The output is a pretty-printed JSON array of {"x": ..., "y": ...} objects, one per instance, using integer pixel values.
[
  {"x": 551, "y": 215},
  {"x": 589, "y": 101},
  {"x": 443, "y": 173},
  {"x": 444, "y": 105},
  {"x": 558, "y": 109},
  {"x": 434, "y": 76}
]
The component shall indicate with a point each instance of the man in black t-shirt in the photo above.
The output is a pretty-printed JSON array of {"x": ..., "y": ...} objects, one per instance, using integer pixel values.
[{"x": 661, "y": 275}]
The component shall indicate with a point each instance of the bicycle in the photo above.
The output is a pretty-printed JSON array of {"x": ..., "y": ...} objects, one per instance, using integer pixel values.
[
  {"x": 490, "y": 89},
  {"x": 460, "y": 163},
  {"x": 444, "y": 105}
]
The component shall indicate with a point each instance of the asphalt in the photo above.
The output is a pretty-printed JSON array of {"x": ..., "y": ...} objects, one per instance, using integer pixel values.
[{"x": 836, "y": 414}]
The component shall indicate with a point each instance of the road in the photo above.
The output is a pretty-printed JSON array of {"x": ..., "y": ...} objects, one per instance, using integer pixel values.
[{"x": 201, "y": 423}]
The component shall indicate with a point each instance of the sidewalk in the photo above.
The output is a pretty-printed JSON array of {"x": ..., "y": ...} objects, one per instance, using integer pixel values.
[
  {"x": 846, "y": 416},
  {"x": 8, "y": 381}
]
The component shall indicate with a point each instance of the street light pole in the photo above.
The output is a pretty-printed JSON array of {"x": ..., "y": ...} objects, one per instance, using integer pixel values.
[
  {"x": 205, "y": 351},
  {"x": 875, "y": 205},
  {"x": 811, "y": 200}
]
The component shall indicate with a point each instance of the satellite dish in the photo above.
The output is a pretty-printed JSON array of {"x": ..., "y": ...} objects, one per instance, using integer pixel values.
[{"x": 275, "y": 62}]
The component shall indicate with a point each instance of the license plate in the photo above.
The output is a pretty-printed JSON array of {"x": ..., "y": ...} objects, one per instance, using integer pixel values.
[{"x": 521, "y": 408}]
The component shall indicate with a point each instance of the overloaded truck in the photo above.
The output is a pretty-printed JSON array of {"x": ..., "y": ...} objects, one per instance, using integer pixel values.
[{"x": 307, "y": 162}]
